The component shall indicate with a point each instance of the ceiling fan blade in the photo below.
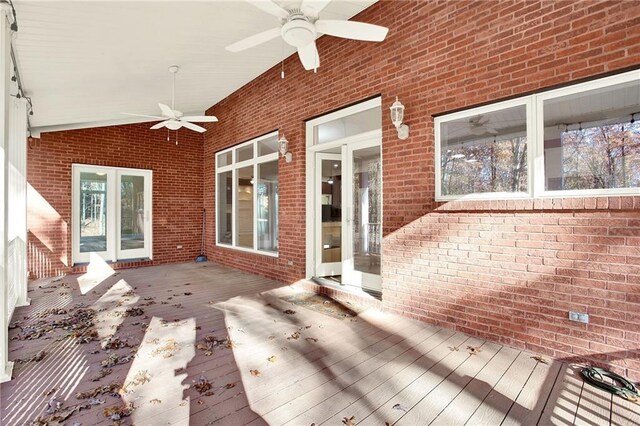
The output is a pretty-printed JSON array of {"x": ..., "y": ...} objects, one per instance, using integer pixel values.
[
  {"x": 142, "y": 115},
  {"x": 309, "y": 56},
  {"x": 270, "y": 7},
  {"x": 200, "y": 118},
  {"x": 254, "y": 40},
  {"x": 492, "y": 131},
  {"x": 166, "y": 111},
  {"x": 316, "y": 6},
  {"x": 159, "y": 125},
  {"x": 192, "y": 126},
  {"x": 352, "y": 30}
]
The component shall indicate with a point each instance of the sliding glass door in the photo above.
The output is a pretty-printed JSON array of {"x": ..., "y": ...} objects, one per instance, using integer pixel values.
[{"x": 111, "y": 213}]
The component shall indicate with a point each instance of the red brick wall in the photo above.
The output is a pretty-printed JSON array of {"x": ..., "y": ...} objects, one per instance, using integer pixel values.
[
  {"x": 534, "y": 265},
  {"x": 177, "y": 188}
]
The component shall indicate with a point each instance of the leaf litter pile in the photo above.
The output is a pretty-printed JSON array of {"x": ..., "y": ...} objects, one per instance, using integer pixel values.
[
  {"x": 80, "y": 323},
  {"x": 325, "y": 305}
]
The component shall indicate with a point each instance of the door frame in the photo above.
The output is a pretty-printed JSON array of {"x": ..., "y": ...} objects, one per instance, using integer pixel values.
[
  {"x": 311, "y": 188},
  {"x": 113, "y": 253}
]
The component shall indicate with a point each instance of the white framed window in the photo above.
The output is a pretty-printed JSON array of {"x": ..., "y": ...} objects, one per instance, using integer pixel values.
[
  {"x": 484, "y": 152},
  {"x": 579, "y": 140},
  {"x": 247, "y": 196}
]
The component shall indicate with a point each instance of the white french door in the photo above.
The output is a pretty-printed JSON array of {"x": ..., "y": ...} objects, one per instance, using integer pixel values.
[
  {"x": 348, "y": 212},
  {"x": 362, "y": 227},
  {"x": 329, "y": 215},
  {"x": 111, "y": 213}
]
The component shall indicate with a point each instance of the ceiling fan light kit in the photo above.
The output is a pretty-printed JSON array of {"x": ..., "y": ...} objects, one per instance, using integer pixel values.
[
  {"x": 173, "y": 119},
  {"x": 299, "y": 28}
]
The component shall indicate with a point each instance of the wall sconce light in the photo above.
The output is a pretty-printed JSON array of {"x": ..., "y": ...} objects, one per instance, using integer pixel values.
[
  {"x": 397, "y": 115},
  {"x": 283, "y": 145}
]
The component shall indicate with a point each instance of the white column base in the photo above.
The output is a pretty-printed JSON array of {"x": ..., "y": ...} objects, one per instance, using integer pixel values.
[
  {"x": 5, "y": 375},
  {"x": 23, "y": 302}
]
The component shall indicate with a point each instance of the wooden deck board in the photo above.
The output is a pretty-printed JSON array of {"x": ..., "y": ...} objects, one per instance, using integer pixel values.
[
  {"x": 467, "y": 401},
  {"x": 360, "y": 367}
]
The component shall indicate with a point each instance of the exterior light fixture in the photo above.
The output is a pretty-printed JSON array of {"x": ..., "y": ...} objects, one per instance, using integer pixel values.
[
  {"x": 397, "y": 115},
  {"x": 283, "y": 146}
]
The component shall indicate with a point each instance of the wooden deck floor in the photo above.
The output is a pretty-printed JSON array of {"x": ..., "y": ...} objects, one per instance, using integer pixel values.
[{"x": 268, "y": 361}]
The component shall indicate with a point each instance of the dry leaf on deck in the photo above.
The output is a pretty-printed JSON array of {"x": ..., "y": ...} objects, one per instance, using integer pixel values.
[
  {"x": 230, "y": 385},
  {"x": 311, "y": 339},
  {"x": 272, "y": 359},
  {"x": 454, "y": 348},
  {"x": 473, "y": 350},
  {"x": 294, "y": 336},
  {"x": 155, "y": 401},
  {"x": 289, "y": 312},
  {"x": 538, "y": 358},
  {"x": 255, "y": 373},
  {"x": 349, "y": 421}
]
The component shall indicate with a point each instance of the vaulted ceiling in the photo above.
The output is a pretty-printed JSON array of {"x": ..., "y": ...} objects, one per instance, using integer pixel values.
[{"x": 83, "y": 63}]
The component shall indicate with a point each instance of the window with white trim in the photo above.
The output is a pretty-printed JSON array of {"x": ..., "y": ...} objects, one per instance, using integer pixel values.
[
  {"x": 580, "y": 140},
  {"x": 247, "y": 195}
]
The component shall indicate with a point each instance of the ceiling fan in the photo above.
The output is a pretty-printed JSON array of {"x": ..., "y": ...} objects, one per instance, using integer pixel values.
[
  {"x": 173, "y": 119},
  {"x": 479, "y": 125},
  {"x": 299, "y": 27}
]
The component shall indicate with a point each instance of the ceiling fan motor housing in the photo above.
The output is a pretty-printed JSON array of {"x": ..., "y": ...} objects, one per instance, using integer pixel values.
[{"x": 298, "y": 31}]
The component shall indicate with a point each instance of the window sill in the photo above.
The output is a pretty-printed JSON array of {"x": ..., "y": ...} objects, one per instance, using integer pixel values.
[
  {"x": 247, "y": 250},
  {"x": 623, "y": 202}
]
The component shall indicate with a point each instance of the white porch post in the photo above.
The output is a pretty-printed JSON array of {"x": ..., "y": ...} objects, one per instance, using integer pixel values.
[
  {"x": 6, "y": 367},
  {"x": 17, "y": 197}
]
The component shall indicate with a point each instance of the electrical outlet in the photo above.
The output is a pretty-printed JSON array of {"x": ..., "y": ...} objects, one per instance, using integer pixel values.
[
  {"x": 582, "y": 317},
  {"x": 290, "y": 262},
  {"x": 179, "y": 246}
]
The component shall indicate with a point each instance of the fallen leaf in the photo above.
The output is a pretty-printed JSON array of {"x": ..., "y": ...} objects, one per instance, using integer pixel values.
[
  {"x": 399, "y": 407},
  {"x": 311, "y": 339},
  {"x": 230, "y": 385},
  {"x": 272, "y": 337},
  {"x": 155, "y": 401},
  {"x": 454, "y": 348},
  {"x": 538, "y": 358},
  {"x": 255, "y": 373},
  {"x": 272, "y": 359},
  {"x": 349, "y": 421},
  {"x": 289, "y": 312},
  {"x": 294, "y": 336},
  {"x": 473, "y": 350},
  {"x": 203, "y": 385}
]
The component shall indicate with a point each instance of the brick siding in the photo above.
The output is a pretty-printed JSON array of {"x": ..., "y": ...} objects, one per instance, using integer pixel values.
[{"x": 177, "y": 189}]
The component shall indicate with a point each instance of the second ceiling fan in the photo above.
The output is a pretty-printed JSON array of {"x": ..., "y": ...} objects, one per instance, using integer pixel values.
[
  {"x": 300, "y": 26},
  {"x": 173, "y": 119}
]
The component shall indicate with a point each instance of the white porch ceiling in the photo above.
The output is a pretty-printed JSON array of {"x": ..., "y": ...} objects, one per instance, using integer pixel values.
[{"x": 83, "y": 63}]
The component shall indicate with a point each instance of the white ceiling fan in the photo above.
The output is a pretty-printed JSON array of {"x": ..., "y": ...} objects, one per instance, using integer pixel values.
[
  {"x": 173, "y": 119},
  {"x": 479, "y": 125},
  {"x": 299, "y": 27}
]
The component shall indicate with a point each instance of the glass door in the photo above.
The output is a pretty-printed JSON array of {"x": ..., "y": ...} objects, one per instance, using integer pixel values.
[
  {"x": 363, "y": 224},
  {"x": 134, "y": 207},
  {"x": 111, "y": 213},
  {"x": 329, "y": 214},
  {"x": 94, "y": 198}
]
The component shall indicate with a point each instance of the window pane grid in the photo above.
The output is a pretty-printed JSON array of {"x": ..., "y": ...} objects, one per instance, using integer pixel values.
[
  {"x": 247, "y": 196},
  {"x": 583, "y": 140}
]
